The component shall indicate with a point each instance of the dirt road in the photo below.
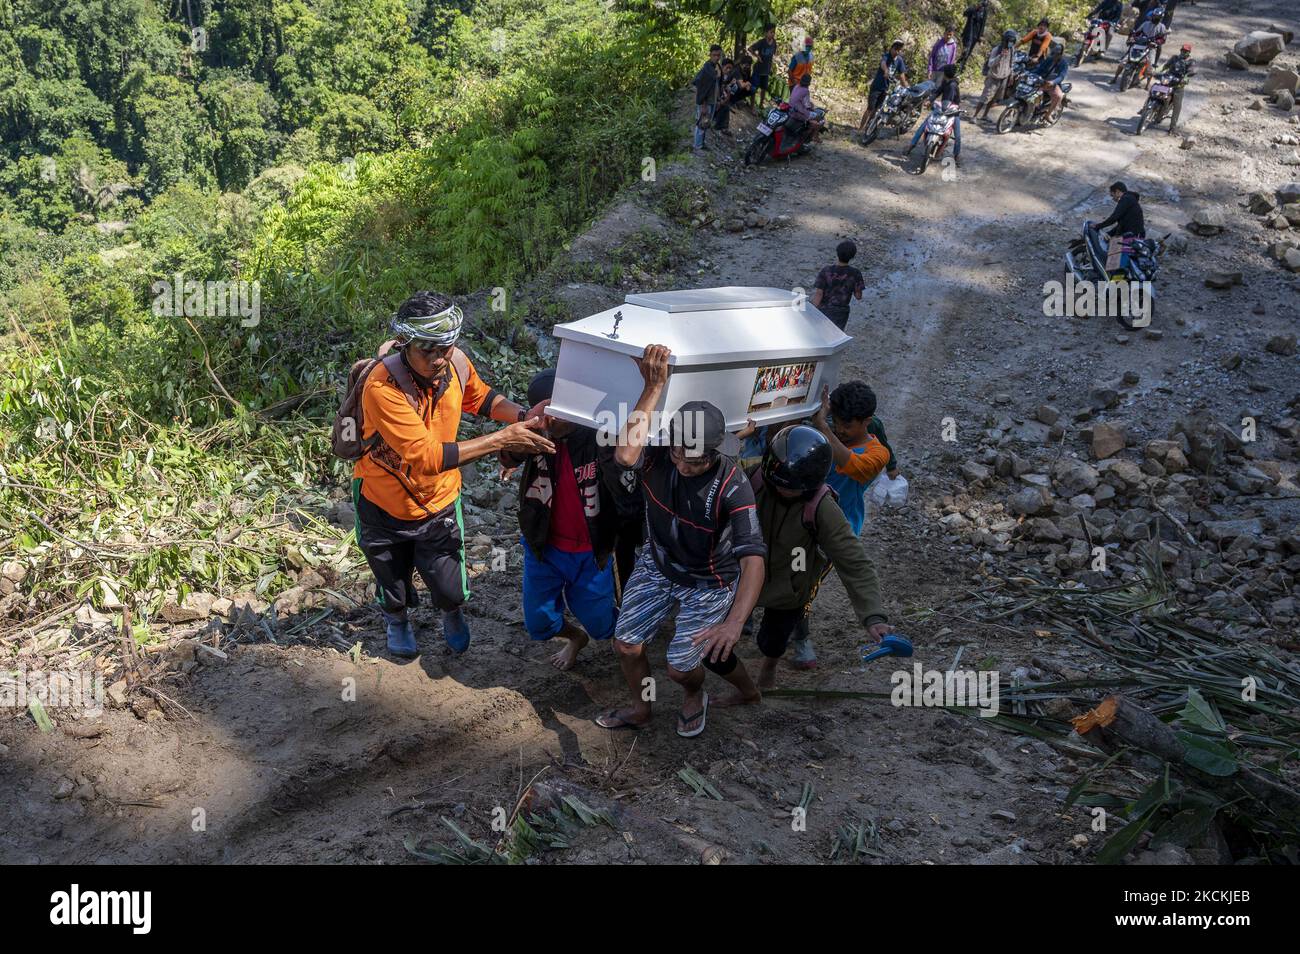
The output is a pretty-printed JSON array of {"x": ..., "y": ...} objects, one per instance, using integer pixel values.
[{"x": 265, "y": 757}]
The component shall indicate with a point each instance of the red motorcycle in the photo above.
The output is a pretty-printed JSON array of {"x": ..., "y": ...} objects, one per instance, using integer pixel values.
[
  {"x": 774, "y": 138},
  {"x": 1094, "y": 40}
]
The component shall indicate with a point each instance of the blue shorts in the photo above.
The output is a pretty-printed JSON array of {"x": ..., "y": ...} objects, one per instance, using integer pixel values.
[{"x": 573, "y": 578}]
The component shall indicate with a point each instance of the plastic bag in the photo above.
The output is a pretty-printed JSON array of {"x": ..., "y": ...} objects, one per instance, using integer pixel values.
[{"x": 887, "y": 492}]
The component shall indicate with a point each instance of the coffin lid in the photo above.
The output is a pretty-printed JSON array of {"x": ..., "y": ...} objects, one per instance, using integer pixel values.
[{"x": 734, "y": 324}]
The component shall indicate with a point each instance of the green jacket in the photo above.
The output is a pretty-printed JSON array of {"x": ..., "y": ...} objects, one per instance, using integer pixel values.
[{"x": 835, "y": 545}]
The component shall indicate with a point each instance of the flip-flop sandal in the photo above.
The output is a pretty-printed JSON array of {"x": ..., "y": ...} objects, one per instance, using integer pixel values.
[
  {"x": 702, "y": 716},
  {"x": 614, "y": 723}
]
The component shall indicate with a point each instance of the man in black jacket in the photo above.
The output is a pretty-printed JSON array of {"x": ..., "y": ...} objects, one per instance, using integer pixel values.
[
  {"x": 570, "y": 530},
  {"x": 1127, "y": 217}
]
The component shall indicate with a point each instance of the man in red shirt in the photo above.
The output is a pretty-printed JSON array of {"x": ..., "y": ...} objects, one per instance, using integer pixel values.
[{"x": 570, "y": 529}]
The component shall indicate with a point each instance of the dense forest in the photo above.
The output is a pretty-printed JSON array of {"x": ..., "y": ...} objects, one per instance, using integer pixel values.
[{"x": 333, "y": 155}]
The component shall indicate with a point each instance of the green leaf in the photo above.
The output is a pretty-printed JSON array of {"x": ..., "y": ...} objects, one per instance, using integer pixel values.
[
  {"x": 1200, "y": 713},
  {"x": 1185, "y": 827},
  {"x": 39, "y": 715},
  {"x": 1119, "y": 844},
  {"x": 1210, "y": 756}
]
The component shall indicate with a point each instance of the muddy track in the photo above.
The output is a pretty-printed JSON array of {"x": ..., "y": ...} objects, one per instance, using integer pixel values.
[{"x": 285, "y": 770}]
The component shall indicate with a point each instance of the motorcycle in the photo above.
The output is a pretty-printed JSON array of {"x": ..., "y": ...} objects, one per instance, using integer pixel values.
[
  {"x": 1086, "y": 259},
  {"x": 1137, "y": 62},
  {"x": 774, "y": 138},
  {"x": 899, "y": 111},
  {"x": 1094, "y": 40},
  {"x": 938, "y": 130},
  {"x": 1160, "y": 102},
  {"x": 1031, "y": 105}
]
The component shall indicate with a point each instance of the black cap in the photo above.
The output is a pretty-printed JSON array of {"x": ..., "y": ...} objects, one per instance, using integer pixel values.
[
  {"x": 701, "y": 428},
  {"x": 798, "y": 458},
  {"x": 541, "y": 387}
]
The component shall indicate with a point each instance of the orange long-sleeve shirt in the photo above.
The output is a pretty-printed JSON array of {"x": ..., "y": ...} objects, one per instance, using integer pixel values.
[
  {"x": 420, "y": 446},
  {"x": 1044, "y": 38}
]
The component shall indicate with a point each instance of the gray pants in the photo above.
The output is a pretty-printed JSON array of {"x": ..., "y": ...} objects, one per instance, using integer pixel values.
[{"x": 994, "y": 90}]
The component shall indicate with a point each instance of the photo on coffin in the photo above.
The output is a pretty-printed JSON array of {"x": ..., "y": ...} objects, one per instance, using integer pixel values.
[{"x": 777, "y": 385}]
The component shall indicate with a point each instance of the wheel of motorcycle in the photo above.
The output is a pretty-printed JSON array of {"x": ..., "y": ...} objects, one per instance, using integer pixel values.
[
  {"x": 872, "y": 131},
  {"x": 1124, "y": 79},
  {"x": 757, "y": 152},
  {"x": 1078, "y": 60},
  {"x": 1142, "y": 120},
  {"x": 1007, "y": 121}
]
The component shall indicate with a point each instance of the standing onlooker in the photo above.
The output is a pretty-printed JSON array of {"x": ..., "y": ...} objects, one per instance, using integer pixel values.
[
  {"x": 706, "y": 83},
  {"x": 973, "y": 31},
  {"x": 837, "y": 285},
  {"x": 801, "y": 63},
  {"x": 764, "y": 49},
  {"x": 943, "y": 53},
  {"x": 997, "y": 71}
]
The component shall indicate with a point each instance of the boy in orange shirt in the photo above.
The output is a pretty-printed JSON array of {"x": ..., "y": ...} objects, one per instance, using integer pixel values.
[{"x": 406, "y": 486}]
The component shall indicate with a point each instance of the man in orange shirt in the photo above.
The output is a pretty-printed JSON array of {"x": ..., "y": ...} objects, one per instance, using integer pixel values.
[
  {"x": 1039, "y": 39},
  {"x": 406, "y": 487}
]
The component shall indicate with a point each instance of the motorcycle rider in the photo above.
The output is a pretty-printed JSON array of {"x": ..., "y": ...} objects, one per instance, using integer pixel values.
[
  {"x": 891, "y": 67},
  {"x": 1176, "y": 73},
  {"x": 949, "y": 94},
  {"x": 1153, "y": 31},
  {"x": 1110, "y": 12},
  {"x": 997, "y": 72},
  {"x": 801, "y": 109},
  {"x": 1127, "y": 216},
  {"x": 1053, "y": 71},
  {"x": 1039, "y": 40}
]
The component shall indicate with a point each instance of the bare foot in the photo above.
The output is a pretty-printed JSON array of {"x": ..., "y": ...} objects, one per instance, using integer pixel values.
[
  {"x": 736, "y": 698},
  {"x": 574, "y": 640},
  {"x": 767, "y": 674}
]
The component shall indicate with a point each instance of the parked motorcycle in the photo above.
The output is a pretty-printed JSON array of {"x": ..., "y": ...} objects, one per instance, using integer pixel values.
[
  {"x": 938, "y": 131},
  {"x": 1159, "y": 104},
  {"x": 1136, "y": 65},
  {"x": 1094, "y": 40},
  {"x": 1032, "y": 106},
  {"x": 774, "y": 138},
  {"x": 899, "y": 112},
  {"x": 1087, "y": 258}
]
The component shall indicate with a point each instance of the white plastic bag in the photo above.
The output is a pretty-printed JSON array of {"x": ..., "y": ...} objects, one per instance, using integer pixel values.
[{"x": 887, "y": 492}]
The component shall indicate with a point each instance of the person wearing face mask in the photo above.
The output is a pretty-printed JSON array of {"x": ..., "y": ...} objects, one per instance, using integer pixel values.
[
  {"x": 704, "y": 553},
  {"x": 406, "y": 483}
]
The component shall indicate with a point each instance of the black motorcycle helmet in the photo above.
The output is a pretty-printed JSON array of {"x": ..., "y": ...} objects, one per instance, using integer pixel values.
[
  {"x": 798, "y": 458},
  {"x": 1056, "y": 48},
  {"x": 1009, "y": 37}
]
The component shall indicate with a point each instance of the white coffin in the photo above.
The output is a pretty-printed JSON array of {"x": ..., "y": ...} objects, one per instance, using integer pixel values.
[{"x": 758, "y": 353}]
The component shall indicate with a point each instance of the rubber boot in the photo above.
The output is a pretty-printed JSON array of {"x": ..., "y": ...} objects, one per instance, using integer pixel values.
[
  {"x": 401, "y": 637},
  {"x": 455, "y": 629}
]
